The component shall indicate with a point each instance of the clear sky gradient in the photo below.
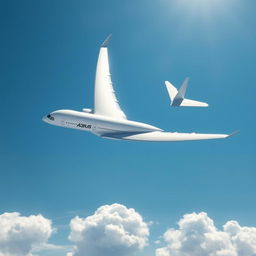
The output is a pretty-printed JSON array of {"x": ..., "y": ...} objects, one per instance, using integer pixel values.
[{"x": 49, "y": 51}]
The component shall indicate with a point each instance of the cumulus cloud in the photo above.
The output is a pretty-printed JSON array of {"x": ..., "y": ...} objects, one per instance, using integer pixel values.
[
  {"x": 19, "y": 235},
  {"x": 243, "y": 238},
  {"x": 198, "y": 236},
  {"x": 111, "y": 230},
  {"x": 120, "y": 231}
]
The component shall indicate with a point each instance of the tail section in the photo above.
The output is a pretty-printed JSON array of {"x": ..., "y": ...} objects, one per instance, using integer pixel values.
[
  {"x": 178, "y": 99},
  {"x": 193, "y": 103},
  {"x": 182, "y": 91},
  {"x": 172, "y": 91}
]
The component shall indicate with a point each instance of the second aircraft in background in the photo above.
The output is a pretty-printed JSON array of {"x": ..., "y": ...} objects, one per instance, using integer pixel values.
[{"x": 178, "y": 99}]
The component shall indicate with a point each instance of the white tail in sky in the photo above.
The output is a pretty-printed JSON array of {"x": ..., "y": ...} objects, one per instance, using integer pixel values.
[{"x": 178, "y": 96}]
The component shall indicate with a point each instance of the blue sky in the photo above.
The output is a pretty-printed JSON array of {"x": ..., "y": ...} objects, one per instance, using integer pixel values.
[{"x": 49, "y": 51}]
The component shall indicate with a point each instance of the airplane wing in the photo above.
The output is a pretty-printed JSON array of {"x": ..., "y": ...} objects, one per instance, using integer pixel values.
[
  {"x": 161, "y": 136},
  {"x": 105, "y": 101}
]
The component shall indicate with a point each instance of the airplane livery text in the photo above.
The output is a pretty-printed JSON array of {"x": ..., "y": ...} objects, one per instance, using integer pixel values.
[{"x": 87, "y": 126}]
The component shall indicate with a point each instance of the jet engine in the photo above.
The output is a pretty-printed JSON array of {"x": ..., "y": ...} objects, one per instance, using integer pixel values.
[{"x": 87, "y": 110}]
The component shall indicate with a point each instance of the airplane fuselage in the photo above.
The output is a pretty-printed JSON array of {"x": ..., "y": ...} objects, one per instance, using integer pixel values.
[{"x": 96, "y": 124}]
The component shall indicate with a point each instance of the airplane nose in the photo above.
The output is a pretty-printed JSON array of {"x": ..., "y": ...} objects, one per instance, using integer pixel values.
[{"x": 44, "y": 119}]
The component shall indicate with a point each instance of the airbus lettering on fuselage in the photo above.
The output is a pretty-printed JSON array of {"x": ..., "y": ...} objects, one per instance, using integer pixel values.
[{"x": 87, "y": 126}]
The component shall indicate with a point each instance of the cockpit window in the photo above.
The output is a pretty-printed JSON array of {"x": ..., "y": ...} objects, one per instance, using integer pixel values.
[{"x": 50, "y": 117}]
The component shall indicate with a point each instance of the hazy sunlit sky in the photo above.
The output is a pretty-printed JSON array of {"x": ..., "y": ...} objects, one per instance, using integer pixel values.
[{"x": 49, "y": 51}]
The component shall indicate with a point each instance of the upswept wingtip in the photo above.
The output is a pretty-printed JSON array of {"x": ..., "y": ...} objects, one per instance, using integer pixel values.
[
  {"x": 233, "y": 133},
  {"x": 105, "y": 43}
]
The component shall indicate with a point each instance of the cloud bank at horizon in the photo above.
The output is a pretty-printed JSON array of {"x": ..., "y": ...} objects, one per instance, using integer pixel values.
[
  {"x": 198, "y": 236},
  {"x": 120, "y": 231}
]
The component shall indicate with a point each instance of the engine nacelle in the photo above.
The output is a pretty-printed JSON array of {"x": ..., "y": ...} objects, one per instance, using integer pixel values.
[{"x": 87, "y": 110}]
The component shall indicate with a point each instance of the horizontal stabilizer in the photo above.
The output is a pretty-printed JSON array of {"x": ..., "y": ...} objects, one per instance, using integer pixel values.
[
  {"x": 193, "y": 103},
  {"x": 178, "y": 99}
]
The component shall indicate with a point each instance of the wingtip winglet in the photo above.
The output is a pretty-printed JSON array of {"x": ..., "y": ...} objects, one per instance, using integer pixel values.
[
  {"x": 105, "y": 43},
  {"x": 233, "y": 134}
]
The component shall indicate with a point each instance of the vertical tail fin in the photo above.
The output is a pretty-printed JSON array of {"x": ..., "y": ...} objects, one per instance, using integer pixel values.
[
  {"x": 172, "y": 91},
  {"x": 182, "y": 91}
]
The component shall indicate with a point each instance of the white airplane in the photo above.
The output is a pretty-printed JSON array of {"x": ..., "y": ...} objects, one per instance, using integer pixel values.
[
  {"x": 107, "y": 120},
  {"x": 178, "y": 96}
]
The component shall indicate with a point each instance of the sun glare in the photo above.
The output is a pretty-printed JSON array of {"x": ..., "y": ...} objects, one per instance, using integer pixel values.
[
  {"x": 205, "y": 4},
  {"x": 207, "y": 10},
  {"x": 209, "y": 17}
]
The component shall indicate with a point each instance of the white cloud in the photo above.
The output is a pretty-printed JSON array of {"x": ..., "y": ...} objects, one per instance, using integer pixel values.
[
  {"x": 119, "y": 231},
  {"x": 243, "y": 238},
  {"x": 19, "y": 235},
  {"x": 198, "y": 236},
  {"x": 112, "y": 230}
]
